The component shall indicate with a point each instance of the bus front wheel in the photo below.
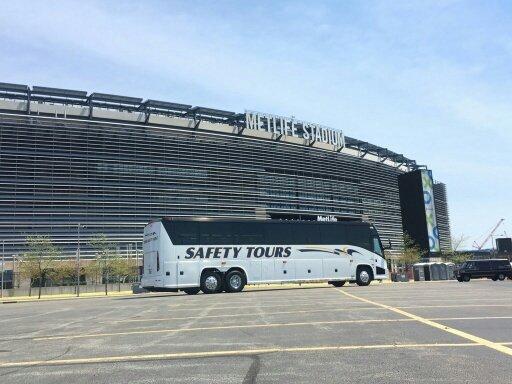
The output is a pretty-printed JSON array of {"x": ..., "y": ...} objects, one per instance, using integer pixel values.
[
  {"x": 364, "y": 276},
  {"x": 211, "y": 282}
]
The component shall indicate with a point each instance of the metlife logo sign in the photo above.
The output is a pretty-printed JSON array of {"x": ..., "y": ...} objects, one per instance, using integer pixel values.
[{"x": 279, "y": 125}]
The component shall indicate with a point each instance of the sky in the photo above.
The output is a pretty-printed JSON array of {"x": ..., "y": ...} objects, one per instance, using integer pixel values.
[{"x": 429, "y": 79}]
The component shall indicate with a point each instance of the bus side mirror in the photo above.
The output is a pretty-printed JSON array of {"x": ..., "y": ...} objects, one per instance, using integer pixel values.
[{"x": 388, "y": 245}]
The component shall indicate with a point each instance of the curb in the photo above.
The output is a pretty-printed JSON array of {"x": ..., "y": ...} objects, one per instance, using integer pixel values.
[
  {"x": 256, "y": 287},
  {"x": 24, "y": 299}
]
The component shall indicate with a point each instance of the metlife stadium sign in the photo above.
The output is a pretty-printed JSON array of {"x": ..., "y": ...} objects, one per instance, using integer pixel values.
[{"x": 289, "y": 126}]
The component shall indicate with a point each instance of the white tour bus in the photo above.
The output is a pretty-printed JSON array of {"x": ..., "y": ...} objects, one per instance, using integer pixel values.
[{"x": 213, "y": 255}]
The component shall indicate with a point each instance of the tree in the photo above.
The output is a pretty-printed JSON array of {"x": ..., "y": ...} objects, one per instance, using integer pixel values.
[
  {"x": 39, "y": 260},
  {"x": 63, "y": 272},
  {"x": 123, "y": 268},
  {"x": 105, "y": 254},
  {"x": 457, "y": 256},
  {"x": 411, "y": 254},
  {"x": 93, "y": 270}
]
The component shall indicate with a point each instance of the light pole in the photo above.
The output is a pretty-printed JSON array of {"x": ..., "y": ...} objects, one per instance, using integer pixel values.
[
  {"x": 3, "y": 269},
  {"x": 14, "y": 279},
  {"x": 78, "y": 261},
  {"x": 137, "y": 260}
]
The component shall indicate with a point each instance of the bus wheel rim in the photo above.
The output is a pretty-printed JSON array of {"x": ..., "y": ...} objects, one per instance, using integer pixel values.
[
  {"x": 235, "y": 281},
  {"x": 211, "y": 283},
  {"x": 364, "y": 276}
]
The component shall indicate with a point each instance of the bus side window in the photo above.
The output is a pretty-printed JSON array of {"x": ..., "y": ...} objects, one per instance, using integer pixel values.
[
  {"x": 186, "y": 233},
  {"x": 359, "y": 236},
  {"x": 216, "y": 233},
  {"x": 246, "y": 233},
  {"x": 278, "y": 233},
  {"x": 308, "y": 233},
  {"x": 332, "y": 234}
]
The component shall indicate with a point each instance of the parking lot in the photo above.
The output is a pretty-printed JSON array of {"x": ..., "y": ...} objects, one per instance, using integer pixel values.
[{"x": 444, "y": 332}]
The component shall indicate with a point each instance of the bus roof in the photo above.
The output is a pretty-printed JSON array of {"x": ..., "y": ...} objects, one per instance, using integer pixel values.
[{"x": 245, "y": 220}]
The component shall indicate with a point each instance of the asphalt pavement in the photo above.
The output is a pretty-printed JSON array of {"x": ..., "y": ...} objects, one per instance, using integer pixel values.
[{"x": 440, "y": 332}]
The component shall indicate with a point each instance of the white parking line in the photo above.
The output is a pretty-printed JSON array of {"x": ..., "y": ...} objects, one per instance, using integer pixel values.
[
  {"x": 266, "y": 325},
  {"x": 479, "y": 340},
  {"x": 226, "y": 353}
]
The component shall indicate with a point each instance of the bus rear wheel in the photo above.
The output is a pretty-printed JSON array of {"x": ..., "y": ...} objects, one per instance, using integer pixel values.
[
  {"x": 191, "y": 291},
  {"x": 364, "y": 276},
  {"x": 235, "y": 281},
  {"x": 211, "y": 282}
]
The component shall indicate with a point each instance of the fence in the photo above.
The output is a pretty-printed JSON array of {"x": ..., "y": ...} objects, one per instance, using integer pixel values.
[{"x": 63, "y": 290}]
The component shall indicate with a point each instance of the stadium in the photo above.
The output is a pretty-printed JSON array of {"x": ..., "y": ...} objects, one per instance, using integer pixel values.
[{"x": 74, "y": 164}]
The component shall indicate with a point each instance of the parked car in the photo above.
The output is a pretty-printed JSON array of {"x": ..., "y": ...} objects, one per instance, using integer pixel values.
[{"x": 495, "y": 269}]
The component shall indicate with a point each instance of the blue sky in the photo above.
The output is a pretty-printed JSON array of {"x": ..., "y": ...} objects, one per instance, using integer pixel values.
[{"x": 431, "y": 80}]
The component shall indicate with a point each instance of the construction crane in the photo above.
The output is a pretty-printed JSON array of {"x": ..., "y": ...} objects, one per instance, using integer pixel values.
[{"x": 494, "y": 229}]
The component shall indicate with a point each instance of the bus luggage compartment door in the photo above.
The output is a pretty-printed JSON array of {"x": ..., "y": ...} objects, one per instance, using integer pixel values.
[
  {"x": 188, "y": 273},
  {"x": 336, "y": 268},
  {"x": 285, "y": 269},
  {"x": 308, "y": 269}
]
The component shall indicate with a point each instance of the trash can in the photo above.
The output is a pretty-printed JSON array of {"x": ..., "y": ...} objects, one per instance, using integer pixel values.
[
  {"x": 450, "y": 270},
  {"x": 427, "y": 271},
  {"x": 444, "y": 271},
  {"x": 419, "y": 271},
  {"x": 435, "y": 270}
]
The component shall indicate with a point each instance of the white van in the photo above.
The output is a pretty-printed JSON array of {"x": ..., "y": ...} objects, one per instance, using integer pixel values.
[{"x": 213, "y": 255}]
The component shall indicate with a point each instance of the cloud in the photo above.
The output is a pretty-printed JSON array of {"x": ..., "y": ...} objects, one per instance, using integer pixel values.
[{"x": 428, "y": 79}]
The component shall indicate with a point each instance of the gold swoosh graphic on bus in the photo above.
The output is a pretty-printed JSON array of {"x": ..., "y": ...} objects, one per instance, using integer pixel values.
[
  {"x": 342, "y": 251},
  {"x": 325, "y": 250}
]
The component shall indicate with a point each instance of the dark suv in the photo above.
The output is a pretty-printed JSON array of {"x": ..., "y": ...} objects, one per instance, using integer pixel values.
[{"x": 496, "y": 269}]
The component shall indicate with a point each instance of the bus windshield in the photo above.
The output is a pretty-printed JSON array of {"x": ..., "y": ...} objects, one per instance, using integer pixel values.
[
  {"x": 377, "y": 246},
  {"x": 375, "y": 243}
]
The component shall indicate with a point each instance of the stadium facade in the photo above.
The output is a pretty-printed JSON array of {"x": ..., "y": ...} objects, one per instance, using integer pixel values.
[{"x": 111, "y": 163}]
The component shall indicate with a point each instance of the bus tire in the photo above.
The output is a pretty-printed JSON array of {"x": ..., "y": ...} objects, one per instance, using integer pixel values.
[
  {"x": 191, "y": 291},
  {"x": 364, "y": 276},
  {"x": 211, "y": 282},
  {"x": 235, "y": 281},
  {"x": 337, "y": 284}
]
